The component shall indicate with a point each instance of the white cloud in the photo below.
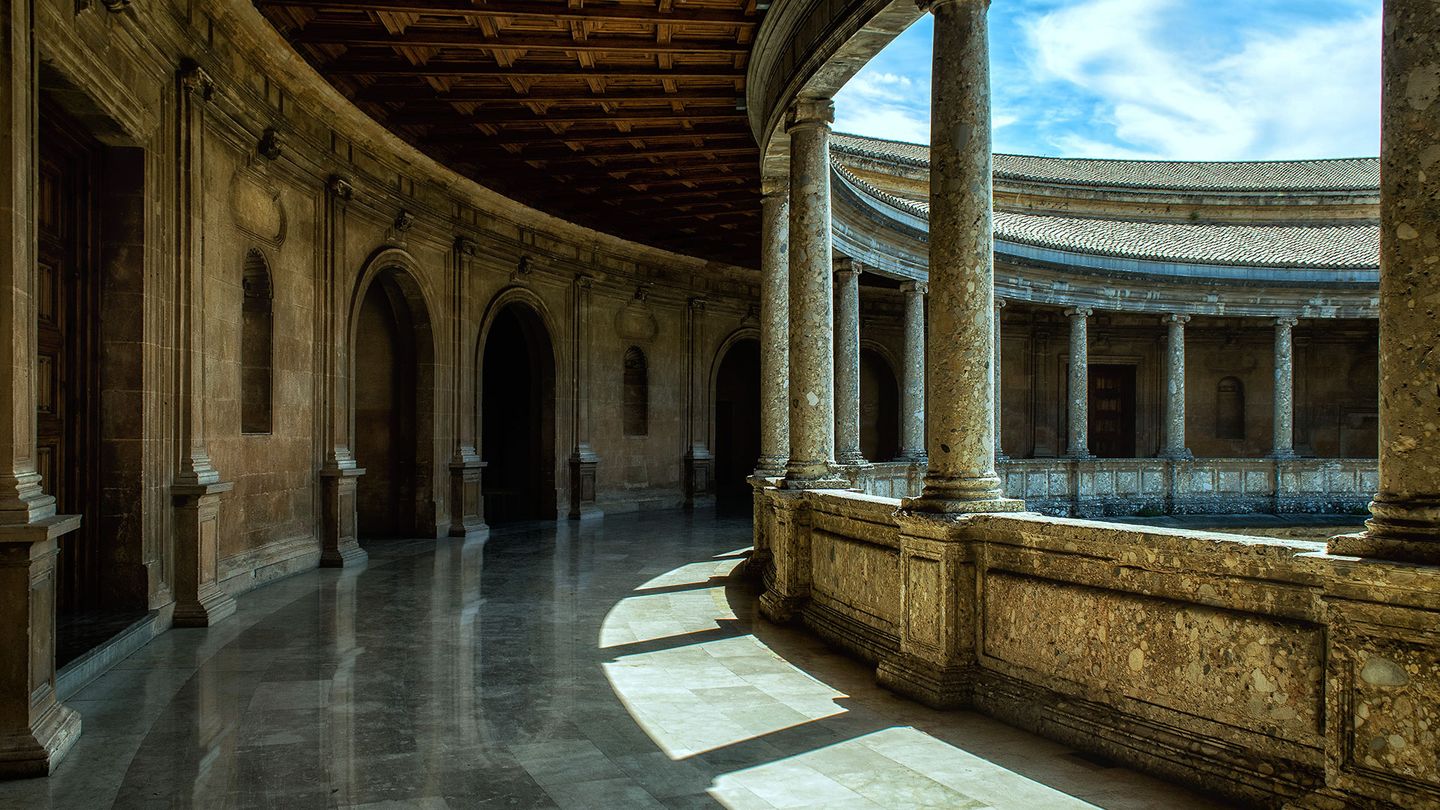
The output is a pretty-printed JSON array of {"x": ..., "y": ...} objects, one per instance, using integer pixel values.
[
  {"x": 1310, "y": 90},
  {"x": 885, "y": 105}
]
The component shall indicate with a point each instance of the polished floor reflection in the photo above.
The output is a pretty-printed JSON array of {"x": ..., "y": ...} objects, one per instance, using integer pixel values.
[{"x": 610, "y": 664}]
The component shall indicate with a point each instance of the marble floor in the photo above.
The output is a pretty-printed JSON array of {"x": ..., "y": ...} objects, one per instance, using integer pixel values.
[{"x": 604, "y": 665}]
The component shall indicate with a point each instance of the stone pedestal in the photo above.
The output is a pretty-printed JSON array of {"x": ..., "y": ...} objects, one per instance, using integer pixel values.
[
  {"x": 699, "y": 483},
  {"x": 467, "y": 501},
  {"x": 960, "y": 385},
  {"x": 1175, "y": 389},
  {"x": 583, "y": 463},
  {"x": 339, "y": 546},
  {"x": 1079, "y": 393},
  {"x": 36, "y": 730},
  {"x": 199, "y": 600},
  {"x": 1405, "y": 515},
  {"x": 774, "y": 328},
  {"x": 788, "y": 529},
  {"x": 1284, "y": 419},
  {"x": 936, "y": 659}
]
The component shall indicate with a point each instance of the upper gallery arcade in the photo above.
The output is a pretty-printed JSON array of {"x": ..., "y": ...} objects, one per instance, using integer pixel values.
[{"x": 287, "y": 276}]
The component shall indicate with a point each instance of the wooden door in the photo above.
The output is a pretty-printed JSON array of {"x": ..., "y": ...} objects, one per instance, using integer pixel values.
[
  {"x": 1112, "y": 411},
  {"x": 65, "y": 379}
]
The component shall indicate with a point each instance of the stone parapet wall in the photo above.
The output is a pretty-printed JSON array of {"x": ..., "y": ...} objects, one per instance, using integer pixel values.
[
  {"x": 1113, "y": 487},
  {"x": 1260, "y": 669}
]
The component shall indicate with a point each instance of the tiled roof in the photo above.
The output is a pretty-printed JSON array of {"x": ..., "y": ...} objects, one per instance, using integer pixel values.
[
  {"x": 1308, "y": 246},
  {"x": 1340, "y": 174}
]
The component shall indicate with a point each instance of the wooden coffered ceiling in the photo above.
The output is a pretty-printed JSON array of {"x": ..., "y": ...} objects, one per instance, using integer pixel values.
[{"x": 623, "y": 115}]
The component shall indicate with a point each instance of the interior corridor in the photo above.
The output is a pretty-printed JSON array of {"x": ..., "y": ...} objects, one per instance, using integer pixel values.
[{"x": 606, "y": 664}]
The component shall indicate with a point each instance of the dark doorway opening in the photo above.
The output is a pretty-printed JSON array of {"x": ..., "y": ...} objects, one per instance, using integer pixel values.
[
  {"x": 95, "y": 596},
  {"x": 1112, "y": 411},
  {"x": 737, "y": 424},
  {"x": 518, "y": 417},
  {"x": 392, "y": 394},
  {"x": 879, "y": 408}
]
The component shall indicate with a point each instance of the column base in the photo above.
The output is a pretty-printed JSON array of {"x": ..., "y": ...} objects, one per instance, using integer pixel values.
[
  {"x": 38, "y": 750},
  {"x": 962, "y": 497},
  {"x": 1177, "y": 455},
  {"x": 199, "y": 600},
  {"x": 467, "y": 503},
  {"x": 851, "y": 458},
  {"x": 779, "y": 609},
  {"x": 339, "y": 544},
  {"x": 1404, "y": 531},
  {"x": 1284, "y": 455},
  {"x": 699, "y": 490},
  {"x": 770, "y": 467},
  {"x": 583, "y": 465},
  {"x": 935, "y": 686}
]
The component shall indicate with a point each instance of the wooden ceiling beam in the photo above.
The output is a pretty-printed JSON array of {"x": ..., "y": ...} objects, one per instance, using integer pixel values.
[
  {"x": 369, "y": 36},
  {"x": 709, "y": 155},
  {"x": 417, "y": 93},
  {"x": 735, "y": 135},
  {"x": 450, "y": 116},
  {"x": 529, "y": 10},
  {"x": 347, "y": 66}
]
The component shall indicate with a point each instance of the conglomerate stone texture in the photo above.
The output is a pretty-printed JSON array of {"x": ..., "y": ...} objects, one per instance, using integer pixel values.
[{"x": 775, "y": 328}]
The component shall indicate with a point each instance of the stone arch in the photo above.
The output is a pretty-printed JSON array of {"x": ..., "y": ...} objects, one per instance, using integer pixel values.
[
  {"x": 257, "y": 326},
  {"x": 880, "y": 382},
  {"x": 520, "y": 473},
  {"x": 734, "y": 425},
  {"x": 636, "y": 401},
  {"x": 1230, "y": 409},
  {"x": 390, "y": 285}
]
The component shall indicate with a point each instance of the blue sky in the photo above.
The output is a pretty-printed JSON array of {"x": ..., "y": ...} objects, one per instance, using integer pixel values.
[{"x": 1171, "y": 79}]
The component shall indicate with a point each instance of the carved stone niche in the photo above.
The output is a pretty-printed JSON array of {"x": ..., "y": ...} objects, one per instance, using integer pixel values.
[{"x": 634, "y": 322}]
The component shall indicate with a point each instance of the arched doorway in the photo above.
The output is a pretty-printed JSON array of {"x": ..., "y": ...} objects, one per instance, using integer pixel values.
[
  {"x": 393, "y": 372},
  {"x": 517, "y": 416},
  {"x": 737, "y": 423},
  {"x": 879, "y": 408}
]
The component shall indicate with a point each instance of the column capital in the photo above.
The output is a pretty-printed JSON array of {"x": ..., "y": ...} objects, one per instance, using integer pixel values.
[
  {"x": 1286, "y": 322},
  {"x": 584, "y": 281},
  {"x": 466, "y": 246},
  {"x": 341, "y": 187},
  {"x": 999, "y": 304},
  {"x": 1177, "y": 318},
  {"x": 920, "y": 287},
  {"x": 194, "y": 79},
  {"x": 929, "y": 6},
  {"x": 697, "y": 304},
  {"x": 845, "y": 265},
  {"x": 775, "y": 187},
  {"x": 1079, "y": 312},
  {"x": 810, "y": 112}
]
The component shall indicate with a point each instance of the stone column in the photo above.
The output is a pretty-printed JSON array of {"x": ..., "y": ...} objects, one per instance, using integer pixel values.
[
  {"x": 36, "y": 730},
  {"x": 1284, "y": 422},
  {"x": 583, "y": 460},
  {"x": 199, "y": 600},
  {"x": 339, "y": 474},
  {"x": 960, "y": 385},
  {"x": 999, "y": 412},
  {"x": 1079, "y": 445},
  {"x": 1175, "y": 388},
  {"x": 912, "y": 394},
  {"x": 699, "y": 489},
  {"x": 1405, "y": 515},
  {"x": 774, "y": 328},
  {"x": 847, "y": 362},
  {"x": 812, "y": 359},
  {"x": 467, "y": 507}
]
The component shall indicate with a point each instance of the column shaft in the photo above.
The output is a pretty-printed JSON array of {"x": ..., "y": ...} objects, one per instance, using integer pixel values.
[
  {"x": 999, "y": 403},
  {"x": 1175, "y": 388},
  {"x": 774, "y": 328},
  {"x": 1405, "y": 514},
  {"x": 912, "y": 395},
  {"x": 1079, "y": 382},
  {"x": 583, "y": 460},
  {"x": 1284, "y": 422},
  {"x": 960, "y": 389},
  {"x": 812, "y": 359},
  {"x": 847, "y": 363}
]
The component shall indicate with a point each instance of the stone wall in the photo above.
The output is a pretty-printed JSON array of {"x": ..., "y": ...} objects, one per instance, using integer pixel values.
[
  {"x": 1264, "y": 670},
  {"x": 288, "y": 168}
]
